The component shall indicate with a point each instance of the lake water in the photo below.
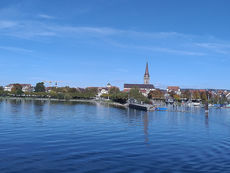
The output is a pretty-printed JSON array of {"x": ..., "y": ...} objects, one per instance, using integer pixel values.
[{"x": 42, "y": 136}]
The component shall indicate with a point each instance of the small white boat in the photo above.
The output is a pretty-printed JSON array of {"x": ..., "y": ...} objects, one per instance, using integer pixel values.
[
  {"x": 227, "y": 106},
  {"x": 194, "y": 104}
]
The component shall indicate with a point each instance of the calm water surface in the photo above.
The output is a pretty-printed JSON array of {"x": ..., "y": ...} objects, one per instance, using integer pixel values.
[{"x": 39, "y": 136}]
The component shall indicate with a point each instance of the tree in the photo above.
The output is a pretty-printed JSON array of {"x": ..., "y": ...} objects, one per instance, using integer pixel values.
[
  {"x": 40, "y": 87},
  {"x": 186, "y": 94},
  {"x": 156, "y": 94},
  {"x": 137, "y": 95},
  {"x": 196, "y": 95},
  {"x": 17, "y": 89},
  {"x": 114, "y": 90},
  {"x": 215, "y": 99},
  {"x": 2, "y": 92},
  {"x": 106, "y": 96},
  {"x": 203, "y": 96},
  {"x": 120, "y": 97},
  {"x": 89, "y": 93},
  {"x": 176, "y": 97}
]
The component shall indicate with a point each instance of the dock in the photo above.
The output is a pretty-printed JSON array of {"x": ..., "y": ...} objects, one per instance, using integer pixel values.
[{"x": 144, "y": 107}]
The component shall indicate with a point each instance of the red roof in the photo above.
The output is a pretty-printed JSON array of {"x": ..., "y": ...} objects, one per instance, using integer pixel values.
[
  {"x": 25, "y": 85},
  {"x": 143, "y": 86},
  {"x": 174, "y": 88},
  {"x": 143, "y": 91}
]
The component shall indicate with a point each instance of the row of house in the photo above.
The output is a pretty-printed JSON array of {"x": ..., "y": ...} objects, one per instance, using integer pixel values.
[
  {"x": 211, "y": 92},
  {"x": 30, "y": 88},
  {"x": 103, "y": 90},
  {"x": 25, "y": 87}
]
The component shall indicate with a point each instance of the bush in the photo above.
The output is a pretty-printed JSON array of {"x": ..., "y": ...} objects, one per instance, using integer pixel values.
[
  {"x": 120, "y": 97},
  {"x": 67, "y": 96}
]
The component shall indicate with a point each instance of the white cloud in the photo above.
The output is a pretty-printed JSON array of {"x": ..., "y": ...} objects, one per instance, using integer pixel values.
[
  {"x": 45, "y": 16},
  {"x": 7, "y": 24},
  {"x": 160, "y": 49},
  {"x": 28, "y": 28},
  {"x": 216, "y": 47},
  {"x": 15, "y": 49},
  {"x": 174, "y": 51},
  {"x": 166, "y": 42}
]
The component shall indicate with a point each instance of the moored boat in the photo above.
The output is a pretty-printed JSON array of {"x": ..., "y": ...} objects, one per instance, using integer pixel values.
[
  {"x": 227, "y": 106},
  {"x": 161, "y": 109}
]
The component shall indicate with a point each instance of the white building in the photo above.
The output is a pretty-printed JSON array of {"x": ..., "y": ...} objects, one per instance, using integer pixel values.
[
  {"x": 103, "y": 90},
  {"x": 8, "y": 87},
  {"x": 228, "y": 96},
  {"x": 174, "y": 89},
  {"x": 143, "y": 88},
  {"x": 25, "y": 87}
]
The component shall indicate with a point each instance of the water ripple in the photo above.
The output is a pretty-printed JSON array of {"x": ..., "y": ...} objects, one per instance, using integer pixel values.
[{"x": 57, "y": 137}]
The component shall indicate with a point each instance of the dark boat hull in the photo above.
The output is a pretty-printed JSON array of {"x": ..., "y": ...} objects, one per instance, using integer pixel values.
[{"x": 139, "y": 107}]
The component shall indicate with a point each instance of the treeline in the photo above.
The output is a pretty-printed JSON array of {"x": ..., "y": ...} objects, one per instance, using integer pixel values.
[
  {"x": 40, "y": 91},
  {"x": 114, "y": 94},
  {"x": 203, "y": 96}
]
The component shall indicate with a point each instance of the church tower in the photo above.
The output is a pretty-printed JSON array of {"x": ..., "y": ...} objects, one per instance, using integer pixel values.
[{"x": 146, "y": 76}]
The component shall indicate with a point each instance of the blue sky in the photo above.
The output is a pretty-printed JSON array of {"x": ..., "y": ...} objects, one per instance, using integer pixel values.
[{"x": 93, "y": 42}]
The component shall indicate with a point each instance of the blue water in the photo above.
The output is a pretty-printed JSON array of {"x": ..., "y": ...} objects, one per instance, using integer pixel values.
[{"x": 39, "y": 136}]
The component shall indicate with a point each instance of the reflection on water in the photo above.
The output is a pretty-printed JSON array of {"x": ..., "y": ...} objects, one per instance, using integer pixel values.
[
  {"x": 46, "y": 136},
  {"x": 38, "y": 107},
  {"x": 206, "y": 119},
  {"x": 146, "y": 124}
]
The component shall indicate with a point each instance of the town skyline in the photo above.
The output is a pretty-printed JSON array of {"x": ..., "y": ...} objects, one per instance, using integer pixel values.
[
  {"x": 145, "y": 85},
  {"x": 89, "y": 43}
]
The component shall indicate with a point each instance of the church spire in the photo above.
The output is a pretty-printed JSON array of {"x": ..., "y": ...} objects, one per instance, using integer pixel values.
[
  {"x": 146, "y": 76},
  {"x": 147, "y": 70}
]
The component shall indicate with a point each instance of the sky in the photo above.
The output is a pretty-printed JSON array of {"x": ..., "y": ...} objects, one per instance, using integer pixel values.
[{"x": 84, "y": 43}]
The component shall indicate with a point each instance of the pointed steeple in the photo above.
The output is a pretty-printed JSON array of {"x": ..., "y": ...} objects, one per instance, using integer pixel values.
[
  {"x": 147, "y": 70},
  {"x": 146, "y": 76}
]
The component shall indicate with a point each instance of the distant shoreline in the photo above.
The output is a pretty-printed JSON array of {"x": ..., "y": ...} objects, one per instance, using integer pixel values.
[{"x": 94, "y": 101}]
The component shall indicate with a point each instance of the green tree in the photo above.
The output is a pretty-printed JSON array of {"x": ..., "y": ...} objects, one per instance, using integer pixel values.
[
  {"x": 223, "y": 99},
  {"x": 120, "y": 97},
  {"x": 106, "y": 96},
  {"x": 88, "y": 93},
  {"x": 215, "y": 99},
  {"x": 114, "y": 90},
  {"x": 67, "y": 96},
  {"x": 40, "y": 87},
  {"x": 203, "y": 97},
  {"x": 176, "y": 97},
  {"x": 2, "y": 92},
  {"x": 17, "y": 89},
  {"x": 136, "y": 94}
]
